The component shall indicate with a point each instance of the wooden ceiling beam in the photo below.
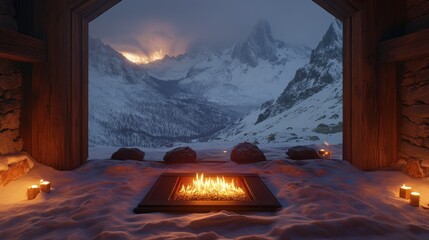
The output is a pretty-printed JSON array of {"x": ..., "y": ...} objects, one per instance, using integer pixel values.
[
  {"x": 20, "y": 47},
  {"x": 406, "y": 47},
  {"x": 91, "y": 9},
  {"x": 341, "y": 9}
]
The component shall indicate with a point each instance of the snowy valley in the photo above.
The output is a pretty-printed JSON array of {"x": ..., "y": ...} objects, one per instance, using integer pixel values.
[{"x": 260, "y": 90}]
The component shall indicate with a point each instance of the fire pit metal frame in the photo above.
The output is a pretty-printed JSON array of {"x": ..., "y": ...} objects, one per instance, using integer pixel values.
[{"x": 160, "y": 196}]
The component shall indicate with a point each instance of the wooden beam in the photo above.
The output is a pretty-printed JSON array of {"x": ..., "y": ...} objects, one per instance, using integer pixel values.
[
  {"x": 407, "y": 47},
  {"x": 341, "y": 9},
  {"x": 58, "y": 116},
  {"x": 91, "y": 9},
  {"x": 374, "y": 99},
  {"x": 20, "y": 47},
  {"x": 347, "y": 90}
]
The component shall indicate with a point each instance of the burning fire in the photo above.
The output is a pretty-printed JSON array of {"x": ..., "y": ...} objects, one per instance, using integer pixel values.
[
  {"x": 143, "y": 59},
  {"x": 209, "y": 189},
  {"x": 325, "y": 153}
]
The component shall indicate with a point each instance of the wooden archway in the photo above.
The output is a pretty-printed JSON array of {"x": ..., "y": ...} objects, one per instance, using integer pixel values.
[{"x": 55, "y": 120}]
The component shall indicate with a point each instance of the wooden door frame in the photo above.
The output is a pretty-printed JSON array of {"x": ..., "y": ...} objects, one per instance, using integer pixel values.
[{"x": 57, "y": 123}]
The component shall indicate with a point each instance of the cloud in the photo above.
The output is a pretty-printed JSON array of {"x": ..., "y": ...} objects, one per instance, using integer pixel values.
[{"x": 173, "y": 26}]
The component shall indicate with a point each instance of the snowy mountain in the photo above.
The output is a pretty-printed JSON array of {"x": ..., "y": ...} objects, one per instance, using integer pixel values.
[
  {"x": 176, "y": 68},
  {"x": 309, "y": 108},
  {"x": 128, "y": 107},
  {"x": 242, "y": 76}
]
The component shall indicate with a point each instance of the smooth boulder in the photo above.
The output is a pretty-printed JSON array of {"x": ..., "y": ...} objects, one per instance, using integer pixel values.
[
  {"x": 181, "y": 155},
  {"x": 302, "y": 153},
  {"x": 247, "y": 153},
  {"x": 128, "y": 154}
]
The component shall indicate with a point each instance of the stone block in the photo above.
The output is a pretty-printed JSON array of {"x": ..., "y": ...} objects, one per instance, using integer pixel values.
[
  {"x": 181, "y": 155},
  {"x": 10, "y": 120},
  {"x": 128, "y": 154},
  {"x": 246, "y": 152},
  {"x": 408, "y": 81},
  {"x": 10, "y": 142},
  {"x": 15, "y": 171},
  {"x": 415, "y": 94},
  {"x": 12, "y": 81},
  {"x": 8, "y": 105},
  {"x": 416, "y": 111},
  {"x": 422, "y": 75},
  {"x": 13, "y": 94},
  {"x": 13, "y": 167},
  {"x": 420, "y": 153},
  {"x": 416, "y": 65},
  {"x": 426, "y": 142},
  {"x": 414, "y": 130},
  {"x": 413, "y": 169},
  {"x": 415, "y": 141}
]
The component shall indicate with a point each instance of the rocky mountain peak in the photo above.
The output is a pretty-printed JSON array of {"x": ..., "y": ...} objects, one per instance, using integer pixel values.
[
  {"x": 324, "y": 68},
  {"x": 260, "y": 44},
  {"x": 330, "y": 47},
  {"x": 261, "y": 34}
]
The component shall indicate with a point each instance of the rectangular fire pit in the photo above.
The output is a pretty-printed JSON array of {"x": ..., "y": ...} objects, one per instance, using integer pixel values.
[{"x": 190, "y": 192}]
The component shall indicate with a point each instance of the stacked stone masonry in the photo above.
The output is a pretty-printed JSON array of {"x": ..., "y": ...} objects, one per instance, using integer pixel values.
[
  {"x": 414, "y": 145},
  {"x": 10, "y": 90},
  {"x": 414, "y": 91}
]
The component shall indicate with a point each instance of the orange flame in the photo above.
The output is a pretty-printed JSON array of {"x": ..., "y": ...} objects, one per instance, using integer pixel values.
[
  {"x": 211, "y": 189},
  {"x": 143, "y": 59}
]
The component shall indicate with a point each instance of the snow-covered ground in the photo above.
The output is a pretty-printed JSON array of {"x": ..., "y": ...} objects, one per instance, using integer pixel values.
[{"x": 321, "y": 199}]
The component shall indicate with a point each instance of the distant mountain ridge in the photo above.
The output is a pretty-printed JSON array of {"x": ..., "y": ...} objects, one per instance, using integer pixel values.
[
  {"x": 323, "y": 69},
  {"x": 310, "y": 107},
  {"x": 244, "y": 75},
  {"x": 201, "y": 95},
  {"x": 128, "y": 107}
]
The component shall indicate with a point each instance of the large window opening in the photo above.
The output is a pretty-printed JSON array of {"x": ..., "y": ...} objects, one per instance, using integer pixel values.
[{"x": 164, "y": 74}]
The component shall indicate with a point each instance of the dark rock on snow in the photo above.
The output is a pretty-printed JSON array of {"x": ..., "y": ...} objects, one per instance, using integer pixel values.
[
  {"x": 247, "y": 153},
  {"x": 128, "y": 154},
  {"x": 181, "y": 155},
  {"x": 302, "y": 153}
]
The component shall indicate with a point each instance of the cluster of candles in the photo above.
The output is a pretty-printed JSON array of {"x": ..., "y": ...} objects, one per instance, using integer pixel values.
[
  {"x": 405, "y": 192},
  {"x": 324, "y": 153},
  {"x": 35, "y": 189}
]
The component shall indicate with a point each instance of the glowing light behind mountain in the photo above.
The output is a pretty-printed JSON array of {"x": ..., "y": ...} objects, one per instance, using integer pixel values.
[{"x": 144, "y": 59}]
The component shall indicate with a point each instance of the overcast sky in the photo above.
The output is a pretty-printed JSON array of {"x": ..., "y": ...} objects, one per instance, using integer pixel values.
[{"x": 146, "y": 26}]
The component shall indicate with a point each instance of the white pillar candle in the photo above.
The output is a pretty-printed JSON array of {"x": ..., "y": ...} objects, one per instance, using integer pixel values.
[
  {"x": 404, "y": 192},
  {"x": 415, "y": 199},
  {"x": 45, "y": 186},
  {"x": 32, "y": 192}
]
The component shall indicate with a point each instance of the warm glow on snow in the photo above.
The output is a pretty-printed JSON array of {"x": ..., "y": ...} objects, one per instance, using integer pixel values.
[
  {"x": 143, "y": 59},
  {"x": 211, "y": 189}
]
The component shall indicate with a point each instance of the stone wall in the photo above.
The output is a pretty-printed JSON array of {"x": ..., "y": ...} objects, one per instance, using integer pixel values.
[
  {"x": 10, "y": 90},
  {"x": 414, "y": 142}
]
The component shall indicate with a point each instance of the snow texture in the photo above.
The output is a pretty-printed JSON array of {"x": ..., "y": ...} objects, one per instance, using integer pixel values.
[
  {"x": 321, "y": 199},
  {"x": 188, "y": 97}
]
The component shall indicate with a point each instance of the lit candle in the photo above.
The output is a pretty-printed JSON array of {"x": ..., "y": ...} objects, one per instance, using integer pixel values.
[
  {"x": 324, "y": 153},
  {"x": 32, "y": 192},
  {"x": 404, "y": 192},
  {"x": 45, "y": 186},
  {"x": 415, "y": 199}
]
